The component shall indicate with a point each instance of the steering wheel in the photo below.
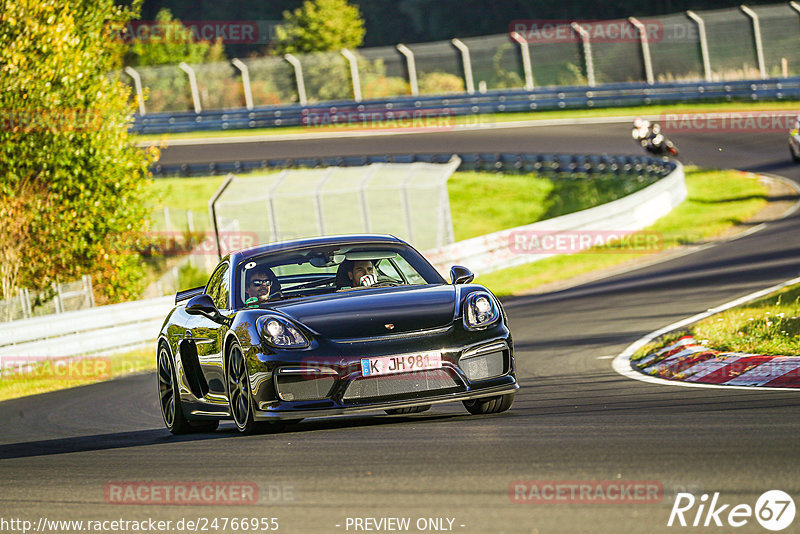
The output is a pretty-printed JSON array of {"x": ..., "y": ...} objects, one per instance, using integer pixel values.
[{"x": 385, "y": 283}]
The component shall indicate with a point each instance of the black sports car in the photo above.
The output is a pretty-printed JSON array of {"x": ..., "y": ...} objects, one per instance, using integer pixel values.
[{"x": 326, "y": 326}]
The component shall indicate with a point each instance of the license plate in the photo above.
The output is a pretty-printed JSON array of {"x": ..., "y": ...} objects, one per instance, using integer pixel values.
[{"x": 402, "y": 363}]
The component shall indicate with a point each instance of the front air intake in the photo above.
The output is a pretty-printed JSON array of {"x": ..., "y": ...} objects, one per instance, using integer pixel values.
[{"x": 420, "y": 383}]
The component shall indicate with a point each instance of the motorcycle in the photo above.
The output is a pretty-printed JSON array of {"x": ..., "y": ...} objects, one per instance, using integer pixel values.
[{"x": 650, "y": 138}]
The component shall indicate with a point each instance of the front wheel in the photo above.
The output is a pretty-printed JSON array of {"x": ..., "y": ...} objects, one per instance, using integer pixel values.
[
  {"x": 168, "y": 394},
  {"x": 487, "y": 405},
  {"x": 239, "y": 398}
]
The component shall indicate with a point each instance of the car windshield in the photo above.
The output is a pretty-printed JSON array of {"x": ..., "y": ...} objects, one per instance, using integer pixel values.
[{"x": 330, "y": 269}]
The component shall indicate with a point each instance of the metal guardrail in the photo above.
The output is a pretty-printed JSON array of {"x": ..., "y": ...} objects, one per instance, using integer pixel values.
[
  {"x": 550, "y": 164},
  {"x": 104, "y": 329},
  {"x": 501, "y": 101}
]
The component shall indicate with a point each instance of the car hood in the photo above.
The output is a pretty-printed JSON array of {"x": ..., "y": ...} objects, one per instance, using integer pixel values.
[{"x": 374, "y": 312}]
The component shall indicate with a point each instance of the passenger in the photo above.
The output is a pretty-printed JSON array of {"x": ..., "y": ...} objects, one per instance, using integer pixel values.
[{"x": 356, "y": 273}]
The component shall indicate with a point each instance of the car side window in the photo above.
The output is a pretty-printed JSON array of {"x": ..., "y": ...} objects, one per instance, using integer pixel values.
[{"x": 218, "y": 287}]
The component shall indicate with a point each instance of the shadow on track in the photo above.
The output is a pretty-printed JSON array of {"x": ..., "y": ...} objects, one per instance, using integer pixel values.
[{"x": 141, "y": 438}]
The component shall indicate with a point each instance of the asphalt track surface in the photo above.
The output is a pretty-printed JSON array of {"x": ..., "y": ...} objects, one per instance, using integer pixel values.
[{"x": 574, "y": 419}]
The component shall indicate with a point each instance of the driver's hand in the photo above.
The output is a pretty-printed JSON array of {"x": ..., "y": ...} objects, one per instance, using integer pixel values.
[{"x": 368, "y": 279}]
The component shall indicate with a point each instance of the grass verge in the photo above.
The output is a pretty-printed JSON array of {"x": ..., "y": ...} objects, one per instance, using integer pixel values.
[
  {"x": 49, "y": 376},
  {"x": 768, "y": 326},
  {"x": 490, "y": 119},
  {"x": 717, "y": 201}
]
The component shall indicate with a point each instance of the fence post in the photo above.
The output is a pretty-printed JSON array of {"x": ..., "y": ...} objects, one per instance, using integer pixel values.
[
  {"x": 248, "y": 94},
  {"x": 212, "y": 214},
  {"x": 405, "y": 202},
  {"x": 587, "y": 52},
  {"x": 464, "y": 49},
  {"x": 762, "y": 68},
  {"x": 362, "y": 193},
  {"x": 318, "y": 200},
  {"x": 298, "y": 76},
  {"x": 526, "y": 59},
  {"x": 273, "y": 216},
  {"x": 192, "y": 85},
  {"x": 353, "y": 61},
  {"x": 411, "y": 66},
  {"x": 701, "y": 29},
  {"x": 648, "y": 63},
  {"x": 87, "y": 287},
  {"x": 27, "y": 302},
  {"x": 167, "y": 221},
  {"x": 57, "y": 299},
  {"x": 137, "y": 84}
]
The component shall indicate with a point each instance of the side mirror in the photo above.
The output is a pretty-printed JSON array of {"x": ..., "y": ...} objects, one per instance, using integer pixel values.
[
  {"x": 203, "y": 305},
  {"x": 461, "y": 275}
]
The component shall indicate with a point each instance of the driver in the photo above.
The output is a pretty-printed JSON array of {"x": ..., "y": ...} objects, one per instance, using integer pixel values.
[
  {"x": 360, "y": 272},
  {"x": 261, "y": 283}
]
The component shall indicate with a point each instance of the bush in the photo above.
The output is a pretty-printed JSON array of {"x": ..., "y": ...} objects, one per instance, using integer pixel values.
[
  {"x": 440, "y": 82},
  {"x": 64, "y": 147},
  {"x": 320, "y": 26}
]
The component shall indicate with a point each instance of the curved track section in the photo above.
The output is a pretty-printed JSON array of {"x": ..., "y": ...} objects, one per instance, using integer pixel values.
[{"x": 575, "y": 418}]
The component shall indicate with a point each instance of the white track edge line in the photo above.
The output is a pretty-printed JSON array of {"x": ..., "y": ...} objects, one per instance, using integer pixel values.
[{"x": 622, "y": 363}]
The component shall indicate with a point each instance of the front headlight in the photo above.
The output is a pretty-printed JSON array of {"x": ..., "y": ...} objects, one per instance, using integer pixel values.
[
  {"x": 480, "y": 311},
  {"x": 280, "y": 332}
]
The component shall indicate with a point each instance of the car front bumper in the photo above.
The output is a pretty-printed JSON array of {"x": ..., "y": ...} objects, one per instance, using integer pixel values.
[{"x": 326, "y": 378}]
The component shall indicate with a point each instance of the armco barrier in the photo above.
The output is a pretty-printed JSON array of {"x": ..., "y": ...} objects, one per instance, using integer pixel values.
[
  {"x": 633, "y": 212},
  {"x": 500, "y": 101},
  {"x": 550, "y": 164},
  {"x": 120, "y": 327},
  {"x": 103, "y": 329}
]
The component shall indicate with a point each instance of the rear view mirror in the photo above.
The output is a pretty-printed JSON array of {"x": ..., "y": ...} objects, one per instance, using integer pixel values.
[{"x": 461, "y": 275}]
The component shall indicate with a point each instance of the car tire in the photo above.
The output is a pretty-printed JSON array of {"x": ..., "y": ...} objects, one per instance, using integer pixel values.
[
  {"x": 169, "y": 398},
  {"x": 239, "y": 399},
  {"x": 487, "y": 405},
  {"x": 411, "y": 409}
]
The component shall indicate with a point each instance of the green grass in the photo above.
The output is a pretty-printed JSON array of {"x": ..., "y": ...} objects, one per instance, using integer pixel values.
[
  {"x": 489, "y": 119},
  {"x": 48, "y": 377},
  {"x": 717, "y": 201},
  {"x": 770, "y": 325},
  {"x": 181, "y": 195}
]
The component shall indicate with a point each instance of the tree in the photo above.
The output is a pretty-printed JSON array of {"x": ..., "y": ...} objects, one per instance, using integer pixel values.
[
  {"x": 168, "y": 42},
  {"x": 71, "y": 181},
  {"x": 320, "y": 26}
]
